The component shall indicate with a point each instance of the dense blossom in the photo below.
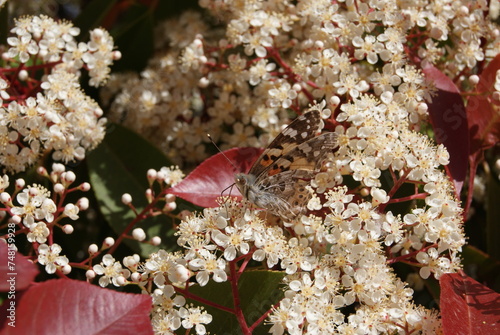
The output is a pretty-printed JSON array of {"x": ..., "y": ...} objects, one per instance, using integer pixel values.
[
  {"x": 364, "y": 61},
  {"x": 54, "y": 115},
  {"x": 37, "y": 211},
  {"x": 360, "y": 63}
]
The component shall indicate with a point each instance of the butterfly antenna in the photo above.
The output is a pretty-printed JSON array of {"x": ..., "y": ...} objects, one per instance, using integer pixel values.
[
  {"x": 217, "y": 147},
  {"x": 230, "y": 187}
]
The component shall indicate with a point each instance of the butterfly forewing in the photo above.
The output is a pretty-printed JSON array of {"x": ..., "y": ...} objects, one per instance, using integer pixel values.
[
  {"x": 300, "y": 130},
  {"x": 277, "y": 180},
  {"x": 307, "y": 155}
]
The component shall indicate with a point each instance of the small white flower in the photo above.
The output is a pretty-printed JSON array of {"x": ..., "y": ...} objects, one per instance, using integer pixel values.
[
  {"x": 110, "y": 271},
  {"x": 195, "y": 317},
  {"x": 49, "y": 256},
  {"x": 71, "y": 211}
]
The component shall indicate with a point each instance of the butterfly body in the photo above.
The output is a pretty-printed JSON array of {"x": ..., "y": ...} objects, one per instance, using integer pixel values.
[{"x": 277, "y": 180}]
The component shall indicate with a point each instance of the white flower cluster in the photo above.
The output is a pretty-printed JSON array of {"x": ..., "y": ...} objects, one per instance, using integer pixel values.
[
  {"x": 37, "y": 212},
  {"x": 354, "y": 272},
  {"x": 61, "y": 118},
  {"x": 54, "y": 42},
  {"x": 210, "y": 242},
  {"x": 283, "y": 55},
  {"x": 363, "y": 59}
]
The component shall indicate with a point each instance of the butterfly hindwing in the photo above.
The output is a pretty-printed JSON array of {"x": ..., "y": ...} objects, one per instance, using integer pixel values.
[{"x": 278, "y": 179}]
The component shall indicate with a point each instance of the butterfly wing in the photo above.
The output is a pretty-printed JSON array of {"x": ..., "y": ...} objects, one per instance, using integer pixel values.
[
  {"x": 302, "y": 129},
  {"x": 306, "y": 156},
  {"x": 283, "y": 191},
  {"x": 284, "y": 195}
]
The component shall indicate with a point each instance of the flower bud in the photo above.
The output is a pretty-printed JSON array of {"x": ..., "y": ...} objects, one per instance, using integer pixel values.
[
  {"x": 151, "y": 175},
  {"x": 83, "y": 203},
  {"x": 93, "y": 248},
  {"x": 66, "y": 269},
  {"x": 59, "y": 188},
  {"x": 20, "y": 183},
  {"x": 126, "y": 199},
  {"x": 108, "y": 242},
  {"x": 68, "y": 229},
  {"x": 139, "y": 234},
  {"x": 156, "y": 240},
  {"x": 120, "y": 280},
  {"x": 170, "y": 197},
  {"x": 85, "y": 187},
  {"x": 90, "y": 274}
]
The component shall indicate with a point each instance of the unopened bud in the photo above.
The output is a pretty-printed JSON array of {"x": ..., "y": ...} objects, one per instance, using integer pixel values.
[
  {"x": 139, "y": 234},
  {"x": 109, "y": 242},
  {"x": 68, "y": 229},
  {"x": 126, "y": 199}
]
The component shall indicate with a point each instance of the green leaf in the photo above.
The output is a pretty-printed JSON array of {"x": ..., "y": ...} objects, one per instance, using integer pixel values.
[
  {"x": 168, "y": 9},
  {"x": 492, "y": 215},
  {"x": 258, "y": 290},
  {"x": 92, "y": 15},
  {"x": 134, "y": 38},
  {"x": 119, "y": 166},
  {"x": 4, "y": 24},
  {"x": 485, "y": 268}
]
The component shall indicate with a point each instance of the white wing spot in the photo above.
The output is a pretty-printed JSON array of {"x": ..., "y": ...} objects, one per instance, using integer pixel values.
[
  {"x": 305, "y": 148},
  {"x": 290, "y": 132}
]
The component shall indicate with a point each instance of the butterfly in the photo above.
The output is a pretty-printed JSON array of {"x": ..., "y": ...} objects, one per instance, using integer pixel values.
[{"x": 277, "y": 180}]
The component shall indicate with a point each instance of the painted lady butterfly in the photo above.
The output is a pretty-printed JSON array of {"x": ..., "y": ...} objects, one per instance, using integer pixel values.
[{"x": 277, "y": 180}]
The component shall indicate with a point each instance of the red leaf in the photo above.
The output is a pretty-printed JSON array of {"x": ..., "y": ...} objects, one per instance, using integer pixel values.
[
  {"x": 15, "y": 269},
  {"x": 73, "y": 307},
  {"x": 484, "y": 120},
  {"x": 205, "y": 184},
  {"x": 482, "y": 112},
  {"x": 467, "y": 307},
  {"x": 448, "y": 118}
]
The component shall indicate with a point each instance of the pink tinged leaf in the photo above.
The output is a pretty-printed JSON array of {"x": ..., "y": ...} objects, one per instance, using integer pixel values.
[
  {"x": 16, "y": 271},
  {"x": 65, "y": 306},
  {"x": 207, "y": 182},
  {"x": 484, "y": 120},
  {"x": 482, "y": 110},
  {"x": 467, "y": 307},
  {"x": 449, "y": 120}
]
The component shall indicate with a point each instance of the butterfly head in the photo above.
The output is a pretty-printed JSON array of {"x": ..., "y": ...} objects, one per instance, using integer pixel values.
[{"x": 242, "y": 181}]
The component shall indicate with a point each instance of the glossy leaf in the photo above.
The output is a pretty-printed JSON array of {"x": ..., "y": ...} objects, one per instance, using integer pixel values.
[
  {"x": 492, "y": 214},
  {"x": 484, "y": 120},
  {"x": 15, "y": 269},
  {"x": 467, "y": 307},
  {"x": 4, "y": 24},
  {"x": 169, "y": 9},
  {"x": 216, "y": 174},
  {"x": 119, "y": 166},
  {"x": 258, "y": 291},
  {"x": 482, "y": 111},
  {"x": 485, "y": 267},
  {"x": 134, "y": 38},
  {"x": 93, "y": 15},
  {"x": 66, "y": 306},
  {"x": 449, "y": 121}
]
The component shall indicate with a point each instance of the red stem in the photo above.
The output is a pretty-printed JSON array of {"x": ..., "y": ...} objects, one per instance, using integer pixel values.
[
  {"x": 263, "y": 317},
  {"x": 190, "y": 295},
  {"x": 408, "y": 198},
  {"x": 236, "y": 299},
  {"x": 411, "y": 254},
  {"x": 141, "y": 216},
  {"x": 397, "y": 185}
]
